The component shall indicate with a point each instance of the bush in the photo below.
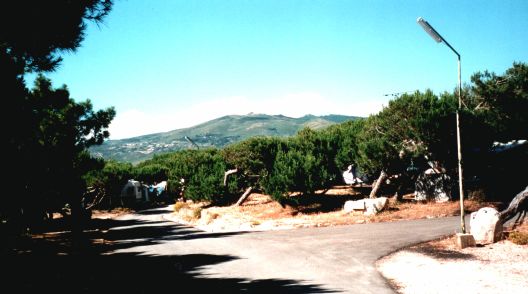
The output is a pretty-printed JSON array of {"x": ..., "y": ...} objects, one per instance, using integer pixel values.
[
  {"x": 202, "y": 171},
  {"x": 151, "y": 172},
  {"x": 478, "y": 195},
  {"x": 519, "y": 238},
  {"x": 292, "y": 171},
  {"x": 179, "y": 205},
  {"x": 111, "y": 179},
  {"x": 197, "y": 213},
  {"x": 254, "y": 158},
  {"x": 206, "y": 177}
]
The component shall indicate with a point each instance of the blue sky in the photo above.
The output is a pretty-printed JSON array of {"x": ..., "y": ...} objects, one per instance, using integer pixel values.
[{"x": 172, "y": 64}]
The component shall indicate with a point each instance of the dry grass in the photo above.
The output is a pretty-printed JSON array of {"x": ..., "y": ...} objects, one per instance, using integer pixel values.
[
  {"x": 519, "y": 235},
  {"x": 519, "y": 238},
  {"x": 189, "y": 212},
  {"x": 179, "y": 205},
  {"x": 197, "y": 212},
  {"x": 115, "y": 212},
  {"x": 418, "y": 210}
]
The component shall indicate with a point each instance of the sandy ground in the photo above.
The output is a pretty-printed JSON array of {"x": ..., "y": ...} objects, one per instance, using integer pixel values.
[
  {"x": 259, "y": 212},
  {"x": 439, "y": 267}
]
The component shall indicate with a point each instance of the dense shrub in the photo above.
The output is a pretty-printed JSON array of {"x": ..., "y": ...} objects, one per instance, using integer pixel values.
[
  {"x": 202, "y": 172},
  {"x": 151, "y": 172},
  {"x": 111, "y": 179}
]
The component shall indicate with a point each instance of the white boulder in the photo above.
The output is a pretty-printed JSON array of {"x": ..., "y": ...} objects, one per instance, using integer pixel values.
[
  {"x": 368, "y": 206},
  {"x": 354, "y": 205},
  {"x": 485, "y": 225},
  {"x": 375, "y": 205}
]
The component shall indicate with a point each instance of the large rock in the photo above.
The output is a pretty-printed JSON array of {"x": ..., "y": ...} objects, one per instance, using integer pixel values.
[
  {"x": 485, "y": 225},
  {"x": 368, "y": 206},
  {"x": 354, "y": 205},
  {"x": 375, "y": 205}
]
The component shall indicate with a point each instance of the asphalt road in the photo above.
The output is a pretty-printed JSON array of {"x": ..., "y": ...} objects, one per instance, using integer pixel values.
[{"x": 310, "y": 260}]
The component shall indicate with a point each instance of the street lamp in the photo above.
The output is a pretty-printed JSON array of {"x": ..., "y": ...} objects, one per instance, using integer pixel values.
[{"x": 438, "y": 38}]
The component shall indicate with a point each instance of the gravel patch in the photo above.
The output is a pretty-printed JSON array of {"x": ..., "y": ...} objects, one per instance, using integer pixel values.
[{"x": 439, "y": 267}]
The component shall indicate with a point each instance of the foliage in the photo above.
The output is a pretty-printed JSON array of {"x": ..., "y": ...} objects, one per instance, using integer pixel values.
[
  {"x": 254, "y": 158},
  {"x": 291, "y": 172},
  {"x": 150, "y": 173},
  {"x": 303, "y": 164},
  {"x": 47, "y": 158},
  {"x": 254, "y": 155},
  {"x": 52, "y": 161},
  {"x": 498, "y": 101},
  {"x": 206, "y": 179},
  {"x": 111, "y": 179},
  {"x": 34, "y": 33},
  {"x": 410, "y": 127},
  {"x": 319, "y": 151},
  {"x": 345, "y": 138},
  {"x": 498, "y": 104},
  {"x": 202, "y": 171}
]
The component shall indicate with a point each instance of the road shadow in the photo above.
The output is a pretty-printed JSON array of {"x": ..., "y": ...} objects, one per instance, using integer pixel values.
[
  {"x": 440, "y": 252},
  {"x": 132, "y": 273},
  {"x": 444, "y": 254},
  {"x": 120, "y": 234},
  {"x": 94, "y": 263}
]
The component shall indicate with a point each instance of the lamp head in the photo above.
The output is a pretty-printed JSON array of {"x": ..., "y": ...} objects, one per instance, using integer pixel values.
[{"x": 429, "y": 30}]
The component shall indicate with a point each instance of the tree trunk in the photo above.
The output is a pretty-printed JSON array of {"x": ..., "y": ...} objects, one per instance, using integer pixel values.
[
  {"x": 227, "y": 173},
  {"x": 377, "y": 184},
  {"x": 400, "y": 190},
  {"x": 518, "y": 204},
  {"x": 244, "y": 196},
  {"x": 398, "y": 195},
  {"x": 76, "y": 224}
]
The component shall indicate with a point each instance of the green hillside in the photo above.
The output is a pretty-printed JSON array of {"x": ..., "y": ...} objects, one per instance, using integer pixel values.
[{"x": 218, "y": 133}]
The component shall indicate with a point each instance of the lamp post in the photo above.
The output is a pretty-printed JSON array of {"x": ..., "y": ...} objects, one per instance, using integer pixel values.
[{"x": 438, "y": 38}]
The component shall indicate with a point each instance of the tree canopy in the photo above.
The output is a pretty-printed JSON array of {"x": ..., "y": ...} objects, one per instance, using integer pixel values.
[
  {"x": 34, "y": 33},
  {"x": 48, "y": 134}
]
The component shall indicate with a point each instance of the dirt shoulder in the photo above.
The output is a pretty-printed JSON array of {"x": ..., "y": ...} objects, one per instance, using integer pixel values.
[
  {"x": 440, "y": 267},
  {"x": 260, "y": 212}
]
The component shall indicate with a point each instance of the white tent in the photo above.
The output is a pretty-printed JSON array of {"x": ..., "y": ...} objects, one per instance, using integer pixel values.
[
  {"x": 349, "y": 176},
  {"x": 134, "y": 189}
]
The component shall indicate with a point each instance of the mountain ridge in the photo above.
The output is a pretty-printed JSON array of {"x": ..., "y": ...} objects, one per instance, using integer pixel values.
[{"x": 217, "y": 132}]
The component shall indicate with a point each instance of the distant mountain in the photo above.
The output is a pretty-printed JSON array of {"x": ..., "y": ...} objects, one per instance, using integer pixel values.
[{"x": 218, "y": 133}]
